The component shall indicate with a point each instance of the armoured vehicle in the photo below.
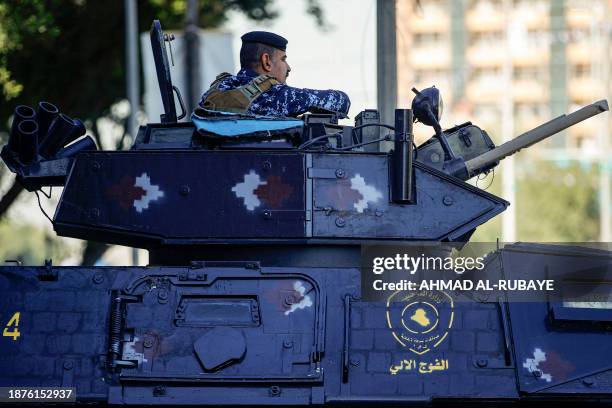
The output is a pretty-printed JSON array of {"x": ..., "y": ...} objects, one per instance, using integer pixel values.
[{"x": 256, "y": 229}]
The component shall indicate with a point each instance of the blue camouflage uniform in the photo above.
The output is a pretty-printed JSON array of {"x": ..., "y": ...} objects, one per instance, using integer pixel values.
[{"x": 284, "y": 100}]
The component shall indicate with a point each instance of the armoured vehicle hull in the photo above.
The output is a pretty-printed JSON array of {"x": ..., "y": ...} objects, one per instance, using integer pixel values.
[
  {"x": 255, "y": 293},
  {"x": 292, "y": 334}
]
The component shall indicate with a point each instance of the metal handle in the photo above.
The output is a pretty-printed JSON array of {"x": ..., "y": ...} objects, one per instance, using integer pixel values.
[{"x": 181, "y": 103}]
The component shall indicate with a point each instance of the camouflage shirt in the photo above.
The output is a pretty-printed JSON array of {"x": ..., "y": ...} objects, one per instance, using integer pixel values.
[{"x": 284, "y": 100}]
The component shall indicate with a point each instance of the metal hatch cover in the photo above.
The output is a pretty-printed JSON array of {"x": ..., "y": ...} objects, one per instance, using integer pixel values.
[{"x": 215, "y": 324}]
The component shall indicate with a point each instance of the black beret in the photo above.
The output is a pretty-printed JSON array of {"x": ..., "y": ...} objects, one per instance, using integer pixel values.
[{"x": 264, "y": 37}]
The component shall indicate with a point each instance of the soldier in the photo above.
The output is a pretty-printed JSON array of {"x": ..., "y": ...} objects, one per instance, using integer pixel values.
[{"x": 259, "y": 87}]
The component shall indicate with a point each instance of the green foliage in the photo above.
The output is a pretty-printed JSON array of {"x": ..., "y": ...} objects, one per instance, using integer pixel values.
[
  {"x": 29, "y": 244},
  {"x": 72, "y": 53},
  {"x": 555, "y": 202}
]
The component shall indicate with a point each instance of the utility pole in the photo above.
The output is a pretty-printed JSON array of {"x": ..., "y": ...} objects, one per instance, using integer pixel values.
[
  {"x": 605, "y": 163},
  {"x": 386, "y": 60},
  {"x": 132, "y": 77},
  {"x": 507, "y": 110},
  {"x": 192, "y": 54}
]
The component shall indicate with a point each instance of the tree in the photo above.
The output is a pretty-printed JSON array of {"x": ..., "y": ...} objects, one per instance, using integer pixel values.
[{"x": 72, "y": 53}]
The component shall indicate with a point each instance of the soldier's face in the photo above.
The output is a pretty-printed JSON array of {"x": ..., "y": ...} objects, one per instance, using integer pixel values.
[{"x": 278, "y": 67}]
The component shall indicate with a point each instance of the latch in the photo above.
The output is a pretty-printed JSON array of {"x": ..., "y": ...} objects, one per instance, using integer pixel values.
[{"x": 464, "y": 134}]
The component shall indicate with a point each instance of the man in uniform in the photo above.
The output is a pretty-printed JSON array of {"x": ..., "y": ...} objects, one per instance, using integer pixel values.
[{"x": 259, "y": 88}]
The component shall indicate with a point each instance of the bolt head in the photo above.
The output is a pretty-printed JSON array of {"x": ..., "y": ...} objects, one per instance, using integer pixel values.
[
  {"x": 290, "y": 300},
  {"x": 184, "y": 190},
  {"x": 94, "y": 213}
]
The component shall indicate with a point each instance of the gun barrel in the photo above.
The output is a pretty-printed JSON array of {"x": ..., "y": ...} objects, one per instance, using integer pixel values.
[{"x": 534, "y": 136}]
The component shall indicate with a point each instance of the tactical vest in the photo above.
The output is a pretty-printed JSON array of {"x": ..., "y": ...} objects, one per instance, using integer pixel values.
[{"x": 239, "y": 99}]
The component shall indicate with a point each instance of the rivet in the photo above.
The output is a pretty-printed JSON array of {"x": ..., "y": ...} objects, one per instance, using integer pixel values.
[
  {"x": 378, "y": 213},
  {"x": 275, "y": 390},
  {"x": 482, "y": 362},
  {"x": 159, "y": 391},
  {"x": 290, "y": 300},
  {"x": 98, "y": 278},
  {"x": 68, "y": 365},
  {"x": 287, "y": 344},
  {"x": 267, "y": 165},
  {"x": 184, "y": 190},
  {"x": 340, "y": 173},
  {"x": 447, "y": 200},
  {"x": 95, "y": 166},
  {"x": 340, "y": 222},
  {"x": 148, "y": 342},
  {"x": 435, "y": 157}
]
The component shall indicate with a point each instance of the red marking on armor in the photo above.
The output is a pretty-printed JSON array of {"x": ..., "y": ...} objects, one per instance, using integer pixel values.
[
  {"x": 282, "y": 295},
  {"x": 126, "y": 192},
  {"x": 556, "y": 366},
  {"x": 274, "y": 192},
  {"x": 341, "y": 196}
]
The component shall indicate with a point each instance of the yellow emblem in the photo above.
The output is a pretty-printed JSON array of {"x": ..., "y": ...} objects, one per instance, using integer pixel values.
[{"x": 420, "y": 320}]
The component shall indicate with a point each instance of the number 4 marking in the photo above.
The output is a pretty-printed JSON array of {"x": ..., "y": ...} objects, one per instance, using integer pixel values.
[{"x": 15, "y": 332}]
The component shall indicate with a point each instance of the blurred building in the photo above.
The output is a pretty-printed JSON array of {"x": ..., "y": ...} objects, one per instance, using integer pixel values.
[{"x": 558, "y": 59}]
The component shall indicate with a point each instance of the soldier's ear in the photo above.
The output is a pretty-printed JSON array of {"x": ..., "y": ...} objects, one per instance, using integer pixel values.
[{"x": 266, "y": 61}]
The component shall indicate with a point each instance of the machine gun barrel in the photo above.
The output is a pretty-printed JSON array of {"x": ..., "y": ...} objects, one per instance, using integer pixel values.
[{"x": 533, "y": 136}]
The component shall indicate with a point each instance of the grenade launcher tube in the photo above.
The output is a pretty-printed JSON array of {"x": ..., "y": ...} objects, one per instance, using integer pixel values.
[{"x": 402, "y": 191}]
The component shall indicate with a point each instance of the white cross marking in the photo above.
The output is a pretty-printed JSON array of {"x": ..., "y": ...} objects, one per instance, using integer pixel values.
[
  {"x": 152, "y": 192},
  {"x": 531, "y": 364},
  {"x": 246, "y": 189},
  {"x": 370, "y": 193}
]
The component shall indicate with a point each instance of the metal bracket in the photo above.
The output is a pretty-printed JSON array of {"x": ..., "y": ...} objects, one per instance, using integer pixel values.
[
  {"x": 48, "y": 274},
  {"x": 488, "y": 362},
  {"x": 347, "y": 338},
  {"x": 284, "y": 215},
  {"x": 314, "y": 173}
]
